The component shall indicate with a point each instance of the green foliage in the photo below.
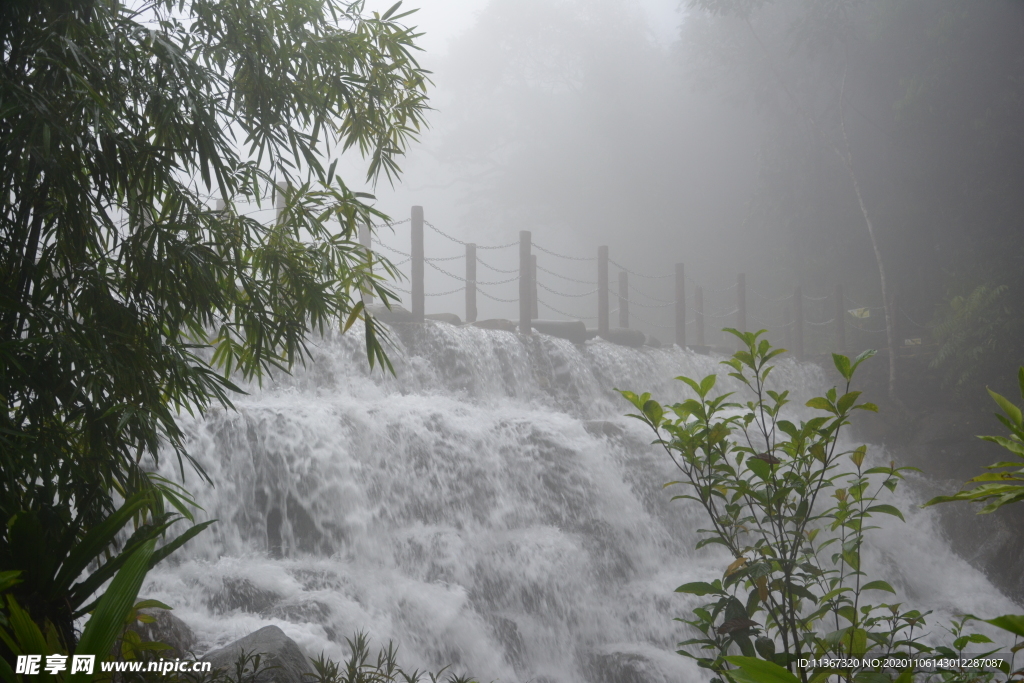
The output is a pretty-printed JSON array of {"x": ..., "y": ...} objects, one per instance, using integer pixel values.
[
  {"x": 971, "y": 330},
  {"x": 1004, "y": 483},
  {"x": 61, "y": 565},
  {"x": 793, "y": 509},
  {"x": 21, "y": 634},
  {"x": 359, "y": 667},
  {"x": 124, "y": 298}
]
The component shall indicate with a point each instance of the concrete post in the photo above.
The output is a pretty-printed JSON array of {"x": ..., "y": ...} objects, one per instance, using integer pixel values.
[
  {"x": 602, "y": 290},
  {"x": 525, "y": 284},
  {"x": 623, "y": 299},
  {"x": 418, "y": 300},
  {"x": 470, "y": 282}
]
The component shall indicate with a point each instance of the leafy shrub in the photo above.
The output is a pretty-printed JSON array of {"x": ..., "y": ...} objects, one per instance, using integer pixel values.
[{"x": 792, "y": 507}]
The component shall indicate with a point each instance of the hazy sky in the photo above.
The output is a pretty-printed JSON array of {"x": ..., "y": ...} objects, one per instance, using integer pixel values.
[{"x": 441, "y": 20}]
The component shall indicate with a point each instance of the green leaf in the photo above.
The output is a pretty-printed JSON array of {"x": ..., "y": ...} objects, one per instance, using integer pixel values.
[
  {"x": 700, "y": 588},
  {"x": 887, "y": 509},
  {"x": 181, "y": 540},
  {"x": 759, "y": 467},
  {"x": 821, "y": 403},
  {"x": 1014, "y": 623},
  {"x": 754, "y": 670},
  {"x": 1012, "y": 411},
  {"x": 864, "y": 355},
  {"x": 353, "y": 317},
  {"x": 107, "y": 621},
  {"x": 654, "y": 412},
  {"x": 842, "y": 364},
  {"x": 878, "y": 585}
]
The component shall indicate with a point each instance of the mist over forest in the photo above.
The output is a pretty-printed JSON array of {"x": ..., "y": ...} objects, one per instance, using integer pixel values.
[{"x": 721, "y": 144}]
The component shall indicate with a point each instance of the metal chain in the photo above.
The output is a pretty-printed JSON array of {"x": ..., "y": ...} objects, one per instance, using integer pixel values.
[
  {"x": 815, "y": 298},
  {"x": 571, "y": 258},
  {"x": 462, "y": 279},
  {"x": 649, "y": 277},
  {"x": 923, "y": 327},
  {"x": 442, "y": 270},
  {"x": 453, "y": 291},
  {"x": 827, "y": 322},
  {"x": 390, "y": 248},
  {"x": 649, "y": 323},
  {"x": 506, "y": 301},
  {"x": 864, "y": 329},
  {"x": 724, "y": 315},
  {"x": 722, "y": 289},
  {"x": 458, "y": 241},
  {"x": 545, "y": 304},
  {"x": 377, "y": 226},
  {"x": 496, "y": 282},
  {"x": 652, "y": 298},
  {"x": 497, "y": 270},
  {"x": 566, "y": 277},
  {"x": 553, "y": 291},
  {"x": 664, "y": 305},
  {"x": 771, "y": 299}
]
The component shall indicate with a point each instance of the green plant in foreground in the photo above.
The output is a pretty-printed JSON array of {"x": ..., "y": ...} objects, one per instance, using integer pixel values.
[
  {"x": 127, "y": 295},
  {"x": 21, "y": 635},
  {"x": 1002, "y": 485},
  {"x": 792, "y": 509}
]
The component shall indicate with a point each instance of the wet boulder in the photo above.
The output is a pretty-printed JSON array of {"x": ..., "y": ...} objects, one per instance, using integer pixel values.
[
  {"x": 167, "y": 629},
  {"x": 281, "y": 658}
]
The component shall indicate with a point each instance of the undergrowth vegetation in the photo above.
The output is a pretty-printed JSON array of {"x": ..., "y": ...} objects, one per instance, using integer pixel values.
[{"x": 793, "y": 507}]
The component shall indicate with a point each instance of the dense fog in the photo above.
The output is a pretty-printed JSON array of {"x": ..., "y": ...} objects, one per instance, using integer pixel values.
[{"x": 729, "y": 136}]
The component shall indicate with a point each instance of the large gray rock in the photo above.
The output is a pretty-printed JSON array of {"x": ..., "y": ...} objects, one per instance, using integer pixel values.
[
  {"x": 276, "y": 649},
  {"x": 168, "y": 629}
]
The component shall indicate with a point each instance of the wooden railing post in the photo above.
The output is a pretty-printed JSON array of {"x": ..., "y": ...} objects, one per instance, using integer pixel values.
[
  {"x": 840, "y": 321},
  {"x": 680, "y": 306},
  {"x": 525, "y": 284},
  {"x": 623, "y": 299},
  {"x": 602, "y": 290},
  {"x": 470, "y": 282},
  {"x": 533, "y": 286},
  {"x": 741, "y": 302},
  {"x": 418, "y": 300},
  {"x": 698, "y": 304},
  {"x": 364, "y": 242},
  {"x": 798, "y": 322}
]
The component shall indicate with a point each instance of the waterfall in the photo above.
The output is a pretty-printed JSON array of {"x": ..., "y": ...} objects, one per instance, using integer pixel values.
[{"x": 488, "y": 507}]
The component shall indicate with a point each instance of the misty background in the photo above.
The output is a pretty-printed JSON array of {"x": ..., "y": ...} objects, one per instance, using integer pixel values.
[{"x": 711, "y": 133}]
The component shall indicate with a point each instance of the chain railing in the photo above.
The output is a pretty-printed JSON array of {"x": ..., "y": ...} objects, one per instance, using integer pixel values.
[{"x": 707, "y": 305}]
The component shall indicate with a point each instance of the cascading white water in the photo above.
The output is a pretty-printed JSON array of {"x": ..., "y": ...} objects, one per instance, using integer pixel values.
[{"x": 488, "y": 507}]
